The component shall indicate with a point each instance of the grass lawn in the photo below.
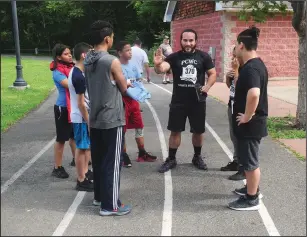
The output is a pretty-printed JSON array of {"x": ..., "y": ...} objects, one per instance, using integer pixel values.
[
  {"x": 16, "y": 104},
  {"x": 282, "y": 128}
]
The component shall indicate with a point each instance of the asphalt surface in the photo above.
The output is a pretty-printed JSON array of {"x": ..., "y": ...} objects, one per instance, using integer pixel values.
[{"x": 36, "y": 203}]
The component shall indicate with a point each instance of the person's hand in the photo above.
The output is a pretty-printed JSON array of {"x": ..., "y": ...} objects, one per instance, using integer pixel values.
[
  {"x": 235, "y": 64},
  {"x": 242, "y": 118},
  {"x": 158, "y": 57},
  {"x": 205, "y": 89},
  {"x": 230, "y": 74},
  {"x": 129, "y": 84}
]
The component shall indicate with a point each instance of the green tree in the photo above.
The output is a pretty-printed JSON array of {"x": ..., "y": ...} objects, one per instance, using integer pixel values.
[
  {"x": 260, "y": 11},
  {"x": 150, "y": 16}
]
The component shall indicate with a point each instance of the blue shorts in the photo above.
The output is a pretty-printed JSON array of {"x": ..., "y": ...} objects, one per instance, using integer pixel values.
[{"x": 82, "y": 137}]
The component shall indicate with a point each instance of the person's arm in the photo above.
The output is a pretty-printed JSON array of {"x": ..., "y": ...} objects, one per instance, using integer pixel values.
[
  {"x": 252, "y": 84},
  {"x": 160, "y": 66},
  {"x": 78, "y": 82},
  {"x": 82, "y": 107},
  {"x": 211, "y": 77},
  {"x": 60, "y": 78},
  {"x": 252, "y": 101},
  {"x": 146, "y": 65},
  {"x": 118, "y": 76},
  {"x": 229, "y": 78},
  {"x": 211, "y": 73},
  {"x": 235, "y": 67},
  {"x": 64, "y": 83}
]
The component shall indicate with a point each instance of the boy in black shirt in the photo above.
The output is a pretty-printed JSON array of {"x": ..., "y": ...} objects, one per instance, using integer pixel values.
[
  {"x": 189, "y": 67},
  {"x": 250, "y": 113}
]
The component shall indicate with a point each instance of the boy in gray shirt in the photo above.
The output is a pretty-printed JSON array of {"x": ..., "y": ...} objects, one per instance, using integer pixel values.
[{"x": 106, "y": 84}]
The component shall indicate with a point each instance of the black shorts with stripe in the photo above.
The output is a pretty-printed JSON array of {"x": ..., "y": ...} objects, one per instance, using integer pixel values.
[{"x": 64, "y": 130}]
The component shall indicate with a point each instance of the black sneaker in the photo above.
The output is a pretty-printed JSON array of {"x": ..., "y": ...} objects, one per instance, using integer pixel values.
[
  {"x": 85, "y": 185},
  {"x": 167, "y": 165},
  {"x": 243, "y": 191},
  {"x": 240, "y": 175},
  {"x": 89, "y": 175},
  {"x": 245, "y": 204},
  {"x": 126, "y": 161},
  {"x": 60, "y": 172},
  {"x": 73, "y": 163},
  {"x": 199, "y": 163},
  {"x": 231, "y": 166}
]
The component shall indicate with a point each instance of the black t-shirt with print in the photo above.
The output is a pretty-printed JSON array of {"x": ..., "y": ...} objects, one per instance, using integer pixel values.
[
  {"x": 188, "y": 69},
  {"x": 252, "y": 74}
]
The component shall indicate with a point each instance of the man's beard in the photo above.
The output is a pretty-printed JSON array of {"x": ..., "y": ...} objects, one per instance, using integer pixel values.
[{"x": 192, "y": 49}]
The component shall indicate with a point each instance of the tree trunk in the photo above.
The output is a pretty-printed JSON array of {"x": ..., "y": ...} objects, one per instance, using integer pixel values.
[
  {"x": 299, "y": 24},
  {"x": 301, "y": 103}
]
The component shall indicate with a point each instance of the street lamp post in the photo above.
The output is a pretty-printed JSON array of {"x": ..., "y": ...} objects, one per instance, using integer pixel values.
[{"x": 19, "y": 83}]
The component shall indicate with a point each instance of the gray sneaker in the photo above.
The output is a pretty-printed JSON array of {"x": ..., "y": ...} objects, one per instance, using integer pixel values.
[
  {"x": 96, "y": 203},
  {"x": 122, "y": 210},
  {"x": 244, "y": 204},
  {"x": 199, "y": 163}
]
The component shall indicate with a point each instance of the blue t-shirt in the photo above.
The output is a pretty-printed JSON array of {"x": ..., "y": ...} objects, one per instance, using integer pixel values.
[
  {"x": 57, "y": 78},
  {"x": 138, "y": 91},
  {"x": 130, "y": 71}
]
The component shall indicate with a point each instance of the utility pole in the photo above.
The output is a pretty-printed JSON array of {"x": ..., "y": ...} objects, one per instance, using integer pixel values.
[{"x": 19, "y": 83}]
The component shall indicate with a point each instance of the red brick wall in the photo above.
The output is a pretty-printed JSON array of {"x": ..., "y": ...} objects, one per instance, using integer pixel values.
[
  {"x": 188, "y": 9},
  {"x": 209, "y": 30},
  {"x": 278, "y": 44}
]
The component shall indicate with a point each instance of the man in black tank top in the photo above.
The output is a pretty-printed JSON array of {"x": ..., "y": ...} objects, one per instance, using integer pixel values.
[
  {"x": 250, "y": 111},
  {"x": 189, "y": 67}
]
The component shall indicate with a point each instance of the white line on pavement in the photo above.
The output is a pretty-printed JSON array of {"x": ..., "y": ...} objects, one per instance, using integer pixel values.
[
  {"x": 69, "y": 215},
  {"x": 265, "y": 216},
  {"x": 8, "y": 183},
  {"x": 168, "y": 199}
]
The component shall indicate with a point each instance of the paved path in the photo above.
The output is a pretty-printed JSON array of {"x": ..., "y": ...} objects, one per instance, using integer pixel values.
[
  {"x": 282, "y": 97},
  {"x": 184, "y": 201}
]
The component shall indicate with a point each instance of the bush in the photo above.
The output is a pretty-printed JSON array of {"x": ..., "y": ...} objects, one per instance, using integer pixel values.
[
  {"x": 151, "y": 53},
  {"x": 159, "y": 39}
]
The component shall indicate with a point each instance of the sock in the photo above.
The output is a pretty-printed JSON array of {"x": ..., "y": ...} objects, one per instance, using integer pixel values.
[
  {"x": 252, "y": 197},
  {"x": 172, "y": 153},
  {"x": 197, "y": 150},
  {"x": 141, "y": 150}
]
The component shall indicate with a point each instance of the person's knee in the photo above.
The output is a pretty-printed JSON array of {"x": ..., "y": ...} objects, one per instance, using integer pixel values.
[
  {"x": 198, "y": 134},
  {"x": 175, "y": 134},
  {"x": 139, "y": 132},
  {"x": 60, "y": 142}
]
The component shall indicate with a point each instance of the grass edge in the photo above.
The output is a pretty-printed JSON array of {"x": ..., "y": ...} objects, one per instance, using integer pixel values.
[{"x": 29, "y": 111}]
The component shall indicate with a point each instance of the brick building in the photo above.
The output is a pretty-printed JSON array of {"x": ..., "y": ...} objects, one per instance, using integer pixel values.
[{"x": 217, "y": 26}]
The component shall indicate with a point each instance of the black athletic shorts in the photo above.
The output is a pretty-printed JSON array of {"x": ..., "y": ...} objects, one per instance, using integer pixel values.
[
  {"x": 248, "y": 153},
  {"x": 178, "y": 114},
  {"x": 64, "y": 130}
]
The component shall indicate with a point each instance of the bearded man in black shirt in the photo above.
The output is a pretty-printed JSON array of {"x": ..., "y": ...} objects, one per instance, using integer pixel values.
[
  {"x": 189, "y": 67},
  {"x": 250, "y": 111}
]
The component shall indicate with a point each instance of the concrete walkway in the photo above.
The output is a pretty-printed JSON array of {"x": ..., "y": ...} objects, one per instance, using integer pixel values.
[{"x": 278, "y": 105}]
